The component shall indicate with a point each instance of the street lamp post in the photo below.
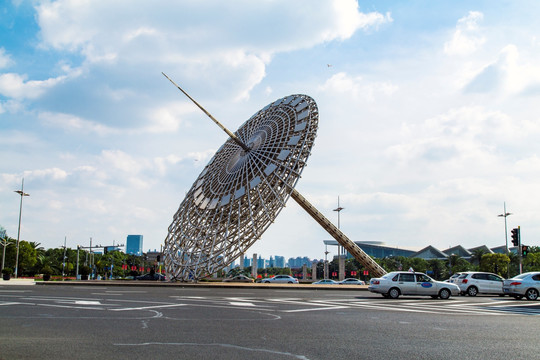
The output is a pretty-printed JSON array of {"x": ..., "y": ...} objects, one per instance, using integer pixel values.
[
  {"x": 23, "y": 194},
  {"x": 340, "y": 261},
  {"x": 505, "y": 215}
]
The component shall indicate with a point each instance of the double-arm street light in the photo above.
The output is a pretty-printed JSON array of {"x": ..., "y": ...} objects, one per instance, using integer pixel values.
[
  {"x": 23, "y": 194},
  {"x": 505, "y": 215}
]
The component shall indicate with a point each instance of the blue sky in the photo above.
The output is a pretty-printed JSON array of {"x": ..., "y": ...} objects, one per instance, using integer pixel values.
[{"x": 428, "y": 115}]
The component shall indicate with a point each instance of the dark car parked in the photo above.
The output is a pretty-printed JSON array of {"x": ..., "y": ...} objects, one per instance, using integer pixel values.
[{"x": 152, "y": 277}]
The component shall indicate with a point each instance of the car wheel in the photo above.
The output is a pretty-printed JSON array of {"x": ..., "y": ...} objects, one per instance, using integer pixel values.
[
  {"x": 444, "y": 294},
  {"x": 290, "y": 282},
  {"x": 393, "y": 293},
  {"x": 472, "y": 291},
  {"x": 266, "y": 282},
  {"x": 531, "y": 294},
  {"x": 518, "y": 297}
]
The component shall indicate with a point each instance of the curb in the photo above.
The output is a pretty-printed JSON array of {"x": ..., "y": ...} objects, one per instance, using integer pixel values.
[{"x": 200, "y": 285}]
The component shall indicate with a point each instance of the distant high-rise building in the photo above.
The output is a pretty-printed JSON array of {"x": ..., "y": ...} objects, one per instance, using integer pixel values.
[
  {"x": 134, "y": 245},
  {"x": 279, "y": 261},
  {"x": 298, "y": 262}
]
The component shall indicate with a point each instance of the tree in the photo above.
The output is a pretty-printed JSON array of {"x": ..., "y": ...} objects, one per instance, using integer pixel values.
[
  {"x": 457, "y": 264},
  {"x": 437, "y": 269},
  {"x": 495, "y": 263},
  {"x": 476, "y": 255},
  {"x": 531, "y": 262}
]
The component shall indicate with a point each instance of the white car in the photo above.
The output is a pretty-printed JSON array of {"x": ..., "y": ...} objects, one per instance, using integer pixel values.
[
  {"x": 351, "y": 281},
  {"x": 453, "y": 278},
  {"x": 397, "y": 283},
  {"x": 325, "y": 282},
  {"x": 283, "y": 279},
  {"x": 526, "y": 284},
  {"x": 473, "y": 283}
]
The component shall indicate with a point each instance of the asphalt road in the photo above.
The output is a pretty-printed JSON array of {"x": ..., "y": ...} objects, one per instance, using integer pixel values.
[{"x": 173, "y": 322}]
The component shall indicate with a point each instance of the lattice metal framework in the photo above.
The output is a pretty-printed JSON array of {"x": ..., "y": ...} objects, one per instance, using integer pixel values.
[{"x": 242, "y": 190}]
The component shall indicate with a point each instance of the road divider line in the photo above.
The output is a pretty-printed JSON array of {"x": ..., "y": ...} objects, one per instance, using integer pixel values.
[{"x": 149, "y": 307}]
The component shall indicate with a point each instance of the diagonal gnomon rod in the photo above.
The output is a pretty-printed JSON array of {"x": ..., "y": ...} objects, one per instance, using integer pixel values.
[
  {"x": 231, "y": 135},
  {"x": 359, "y": 254}
]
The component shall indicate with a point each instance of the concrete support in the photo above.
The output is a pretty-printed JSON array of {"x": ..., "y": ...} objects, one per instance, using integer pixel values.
[
  {"x": 342, "y": 267},
  {"x": 314, "y": 271},
  {"x": 326, "y": 269},
  {"x": 304, "y": 272},
  {"x": 254, "y": 266},
  {"x": 242, "y": 261}
]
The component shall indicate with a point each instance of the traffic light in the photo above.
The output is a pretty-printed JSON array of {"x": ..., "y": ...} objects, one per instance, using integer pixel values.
[
  {"x": 524, "y": 250},
  {"x": 515, "y": 236}
]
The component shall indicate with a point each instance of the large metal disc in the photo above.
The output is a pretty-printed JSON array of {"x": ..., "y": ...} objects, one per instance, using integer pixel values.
[{"x": 240, "y": 193}]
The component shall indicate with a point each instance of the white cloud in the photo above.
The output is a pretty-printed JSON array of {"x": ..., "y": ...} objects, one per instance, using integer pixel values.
[
  {"x": 53, "y": 174},
  {"x": 509, "y": 74},
  {"x": 467, "y": 37},
  {"x": 5, "y": 59},
  {"x": 356, "y": 87},
  {"x": 72, "y": 123},
  {"x": 232, "y": 49},
  {"x": 15, "y": 86},
  {"x": 122, "y": 161}
]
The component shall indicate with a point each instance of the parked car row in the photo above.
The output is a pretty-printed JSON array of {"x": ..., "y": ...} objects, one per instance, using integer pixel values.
[
  {"x": 471, "y": 283},
  {"x": 287, "y": 279}
]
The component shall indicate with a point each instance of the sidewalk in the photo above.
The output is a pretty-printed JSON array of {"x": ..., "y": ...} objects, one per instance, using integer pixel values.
[{"x": 19, "y": 281}]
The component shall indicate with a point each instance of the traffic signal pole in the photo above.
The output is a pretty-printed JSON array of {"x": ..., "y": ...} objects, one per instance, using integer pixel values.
[{"x": 520, "y": 250}]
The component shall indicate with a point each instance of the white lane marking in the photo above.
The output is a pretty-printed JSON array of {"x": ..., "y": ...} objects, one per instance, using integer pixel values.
[
  {"x": 241, "y": 303},
  {"x": 317, "y": 309},
  {"x": 108, "y": 294},
  {"x": 237, "y": 347},
  {"x": 72, "y": 307},
  {"x": 188, "y": 297},
  {"x": 149, "y": 307},
  {"x": 11, "y": 303},
  {"x": 86, "y": 302},
  {"x": 298, "y": 302}
]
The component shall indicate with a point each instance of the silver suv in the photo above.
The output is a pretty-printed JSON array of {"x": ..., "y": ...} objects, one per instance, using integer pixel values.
[{"x": 473, "y": 283}]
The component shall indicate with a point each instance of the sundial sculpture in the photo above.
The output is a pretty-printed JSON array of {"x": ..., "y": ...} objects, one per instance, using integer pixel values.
[{"x": 244, "y": 187}]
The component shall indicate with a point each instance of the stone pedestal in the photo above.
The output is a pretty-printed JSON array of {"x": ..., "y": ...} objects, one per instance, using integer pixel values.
[
  {"x": 342, "y": 267},
  {"x": 326, "y": 269},
  {"x": 254, "y": 266}
]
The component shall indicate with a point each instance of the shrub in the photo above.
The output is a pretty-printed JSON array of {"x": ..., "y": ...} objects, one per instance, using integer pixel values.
[
  {"x": 46, "y": 270},
  {"x": 85, "y": 270},
  {"x": 7, "y": 271}
]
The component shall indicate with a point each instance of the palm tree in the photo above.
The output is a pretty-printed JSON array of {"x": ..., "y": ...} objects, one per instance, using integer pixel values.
[{"x": 476, "y": 255}]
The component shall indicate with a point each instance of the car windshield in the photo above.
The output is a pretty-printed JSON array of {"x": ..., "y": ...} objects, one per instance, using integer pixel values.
[{"x": 521, "y": 276}]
